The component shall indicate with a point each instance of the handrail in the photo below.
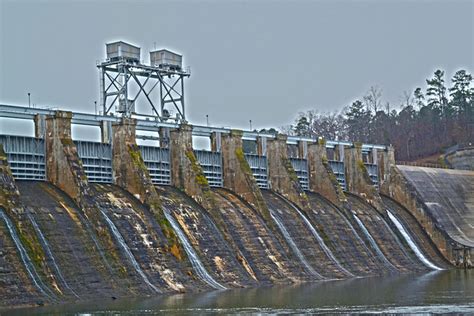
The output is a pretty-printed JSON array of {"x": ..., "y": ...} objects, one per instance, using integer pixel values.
[{"x": 21, "y": 112}]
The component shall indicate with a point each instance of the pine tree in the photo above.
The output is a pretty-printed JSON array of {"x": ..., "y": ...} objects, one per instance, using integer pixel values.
[
  {"x": 436, "y": 91},
  {"x": 461, "y": 93},
  {"x": 302, "y": 127},
  {"x": 419, "y": 97}
]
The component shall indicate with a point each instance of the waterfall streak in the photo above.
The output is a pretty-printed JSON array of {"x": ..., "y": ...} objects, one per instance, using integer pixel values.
[
  {"x": 24, "y": 257},
  {"x": 128, "y": 252},
  {"x": 411, "y": 242},
  {"x": 325, "y": 248},
  {"x": 192, "y": 255},
  {"x": 373, "y": 243},
  {"x": 293, "y": 246},
  {"x": 50, "y": 253}
]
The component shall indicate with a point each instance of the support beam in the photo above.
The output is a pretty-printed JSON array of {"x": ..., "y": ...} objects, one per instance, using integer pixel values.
[
  {"x": 261, "y": 146},
  {"x": 385, "y": 163},
  {"x": 216, "y": 141},
  {"x": 106, "y": 132},
  {"x": 164, "y": 137},
  {"x": 302, "y": 149},
  {"x": 40, "y": 125},
  {"x": 9, "y": 194},
  {"x": 322, "y": 179}
]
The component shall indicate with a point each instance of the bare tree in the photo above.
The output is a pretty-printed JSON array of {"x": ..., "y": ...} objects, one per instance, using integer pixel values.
[{"x": 373, "y": 99}]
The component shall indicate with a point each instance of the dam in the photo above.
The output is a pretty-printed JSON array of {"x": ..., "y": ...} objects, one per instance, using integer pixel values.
[{"x": 84, "y": 220}]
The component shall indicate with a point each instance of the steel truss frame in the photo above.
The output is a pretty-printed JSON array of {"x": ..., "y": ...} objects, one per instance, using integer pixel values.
[{"x": 116, "y": 78}]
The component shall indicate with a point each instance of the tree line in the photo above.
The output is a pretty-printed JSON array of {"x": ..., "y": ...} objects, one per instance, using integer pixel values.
[{"x": 427, "y": 122}]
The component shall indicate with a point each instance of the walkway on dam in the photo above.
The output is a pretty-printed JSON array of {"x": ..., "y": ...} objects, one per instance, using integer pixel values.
[{"x": 449, "y": 196}]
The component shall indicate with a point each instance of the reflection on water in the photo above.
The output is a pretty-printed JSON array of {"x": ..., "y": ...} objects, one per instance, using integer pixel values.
[{"x": 434, "y": 292}]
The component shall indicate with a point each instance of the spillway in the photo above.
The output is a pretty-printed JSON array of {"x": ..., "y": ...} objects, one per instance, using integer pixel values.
[
  {"x": 449, "y": 198},
  {"x": 192, "y": 255},
  {"x": 411, "y": 243},
  {"x": 28, "y": 264},
  {"x": 50, "y": 254}
]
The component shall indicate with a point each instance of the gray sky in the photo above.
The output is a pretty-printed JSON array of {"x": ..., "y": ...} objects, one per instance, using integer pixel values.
[{"x": 259, "y": 60}]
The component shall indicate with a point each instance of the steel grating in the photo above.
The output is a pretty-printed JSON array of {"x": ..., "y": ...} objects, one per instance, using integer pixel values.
[
  {"x": 96, "y": 160},
  {"x": 211, "y": 164},
  {"x": 258, "y": 165},
  {"x": 157, "y": 161},
  {"x": 338, "y": 169},
  {"x": 373, "y": 173},
  {"x": 301, "y": 168},
  {"x": 26, "y": 157}
]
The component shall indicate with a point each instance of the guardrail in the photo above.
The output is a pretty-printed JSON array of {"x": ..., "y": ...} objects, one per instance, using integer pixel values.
[
  {"x": 422, "y": 164},
  {"x": 148, "y": 124}
]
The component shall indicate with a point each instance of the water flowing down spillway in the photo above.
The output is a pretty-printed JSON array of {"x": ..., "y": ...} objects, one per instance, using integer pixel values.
[
  {"x": 192, "y": 255},
  {"x": 321, "y": 242},
  {"x": 127, "y": 251},
  {"x": 292, "y": 244},
  {"x": 45, "y": 244},
  {"x": 411, "y": 242},
  {"x": 373, "y": 243},
  {"x": 25, "y": 258}
]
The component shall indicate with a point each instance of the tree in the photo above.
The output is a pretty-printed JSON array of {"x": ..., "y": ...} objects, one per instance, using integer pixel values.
[
  {"x": 358, "y": 121},
  {"x": 436, "y": 91},
  {"x": 419, "y": 98},
  {"x": 372, "y": 99},
  {"x": 302, "y": 127},
  {"x": 461, "y": 92}
]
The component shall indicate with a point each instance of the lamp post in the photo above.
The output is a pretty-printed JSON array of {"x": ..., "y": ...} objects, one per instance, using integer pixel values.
[
  {"x": 29, "y": 99},
  {"x": 250, "y": 123},
  {"x": 207, "y": 119}
]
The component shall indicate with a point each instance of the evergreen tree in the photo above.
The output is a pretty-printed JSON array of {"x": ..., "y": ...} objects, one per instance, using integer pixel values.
[
  {"x": 302, "y": 127},
  {"x": 436, "y": 91},
  {"x": 358, "y": 122},
  {"x": 461, "y": 92},
  {"x": 419, "y": 98}
]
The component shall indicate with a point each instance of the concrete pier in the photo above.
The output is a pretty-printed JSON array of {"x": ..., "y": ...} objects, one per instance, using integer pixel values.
[
  {"x": 236, "y": 171},
  {"x": 322, "y": 179},
  {"x": 281, "y": 175},
  {"x": 129, "y": 170},
  {"x": 63, "y": 165},
  {"x": 357, "y": 177}
]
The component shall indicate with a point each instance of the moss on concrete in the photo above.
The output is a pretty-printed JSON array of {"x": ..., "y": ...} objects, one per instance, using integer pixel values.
[{"x": 289, "y": 168}]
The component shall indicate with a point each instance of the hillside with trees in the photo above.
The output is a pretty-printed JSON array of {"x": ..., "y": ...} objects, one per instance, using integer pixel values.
[{"x": 427, "y": 122}]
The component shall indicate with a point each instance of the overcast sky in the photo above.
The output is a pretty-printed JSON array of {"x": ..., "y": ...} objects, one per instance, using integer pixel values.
[{"x": 259, "y": 60}]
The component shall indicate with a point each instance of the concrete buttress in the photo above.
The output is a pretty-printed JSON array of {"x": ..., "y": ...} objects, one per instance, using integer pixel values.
[
  {"x": 322, "y": 179},
  {"x": 186, "y": 173},
  {"x": 63, "y": 165},
  {"x": 281, "y": 175},
  {"x": 357, "y": 177},
  {"x": 129, "y": 170},
  {"x": 236, "y": 172}
]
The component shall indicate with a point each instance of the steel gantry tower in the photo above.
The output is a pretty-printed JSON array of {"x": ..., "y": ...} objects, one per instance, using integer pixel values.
[{"x": 123, "y": 73}]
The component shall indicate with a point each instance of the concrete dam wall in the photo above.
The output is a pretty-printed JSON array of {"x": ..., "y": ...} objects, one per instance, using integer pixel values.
[
  {"x": 68, "y": 238},
  {"x": 442, "y": 200}
]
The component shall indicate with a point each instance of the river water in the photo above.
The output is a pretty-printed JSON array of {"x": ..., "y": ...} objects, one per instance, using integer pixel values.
[{"x": 434, "y": 292}]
